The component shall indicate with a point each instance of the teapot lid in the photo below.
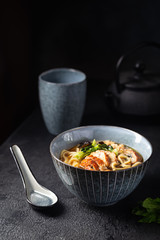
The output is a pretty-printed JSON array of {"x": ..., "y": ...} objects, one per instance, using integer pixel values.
[{"x": 140, "y": 79}]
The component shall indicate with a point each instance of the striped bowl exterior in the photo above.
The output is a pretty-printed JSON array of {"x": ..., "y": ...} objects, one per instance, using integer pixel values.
[{"x": 100, "y": 188}]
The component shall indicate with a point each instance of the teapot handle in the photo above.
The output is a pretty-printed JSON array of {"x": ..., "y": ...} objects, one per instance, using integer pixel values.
[{"x": 119, "y": 86}]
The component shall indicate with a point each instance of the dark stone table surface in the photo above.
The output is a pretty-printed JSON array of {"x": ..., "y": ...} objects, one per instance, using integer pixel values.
[{"x": 72, "y": 218}]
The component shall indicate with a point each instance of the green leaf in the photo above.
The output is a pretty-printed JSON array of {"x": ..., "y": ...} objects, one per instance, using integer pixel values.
[
  {"x": 80, "y": 155},
  {"x": 94, "y": 143},
  {"x": 151, "y": 204},
  {"x": 115, "y": 150},
  {"x": 149, "y": 210},
  {"x": 148, "y": 219}
]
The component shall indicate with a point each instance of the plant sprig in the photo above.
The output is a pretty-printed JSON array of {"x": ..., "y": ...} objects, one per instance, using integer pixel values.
[{"x": 148, "y": 210}]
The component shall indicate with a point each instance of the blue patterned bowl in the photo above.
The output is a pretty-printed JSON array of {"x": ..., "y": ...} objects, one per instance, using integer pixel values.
[{"x": 96, "y": 187}]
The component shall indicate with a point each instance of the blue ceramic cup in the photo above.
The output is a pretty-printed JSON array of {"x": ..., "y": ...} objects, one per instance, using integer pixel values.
[{"x": 62, "y": 95}]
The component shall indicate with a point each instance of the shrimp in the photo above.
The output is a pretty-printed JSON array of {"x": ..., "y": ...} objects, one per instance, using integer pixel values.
[
  {"x": 99, "y": 160},
  {"x": 92, "y": 163},
  {"x": 135, "y": 157},
  {"x": 101, "y": 154}
]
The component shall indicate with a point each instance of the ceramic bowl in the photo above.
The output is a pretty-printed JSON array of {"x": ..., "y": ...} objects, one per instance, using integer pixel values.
[{"x": 100, "y": 188}]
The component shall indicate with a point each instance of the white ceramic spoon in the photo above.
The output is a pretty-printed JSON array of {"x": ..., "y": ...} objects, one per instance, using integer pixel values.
[{"x": 36, "y": 194}]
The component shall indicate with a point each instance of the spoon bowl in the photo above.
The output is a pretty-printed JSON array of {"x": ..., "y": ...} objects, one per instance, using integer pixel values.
[{"x": 37, "y": 195}]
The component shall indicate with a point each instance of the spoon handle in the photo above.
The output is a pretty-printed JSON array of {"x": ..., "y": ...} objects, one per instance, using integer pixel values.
[{"x": 29, "y": 182}]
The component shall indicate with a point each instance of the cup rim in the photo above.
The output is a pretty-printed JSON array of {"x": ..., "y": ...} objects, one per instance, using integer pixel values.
[
  {"x": 77, "y": 128},
  {"x": 40, "y": 77}
]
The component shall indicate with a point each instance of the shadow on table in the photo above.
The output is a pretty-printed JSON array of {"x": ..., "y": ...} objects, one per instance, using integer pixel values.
[
  {"x": 54, "y": 211},
  {"x": 123, "y": 209}
]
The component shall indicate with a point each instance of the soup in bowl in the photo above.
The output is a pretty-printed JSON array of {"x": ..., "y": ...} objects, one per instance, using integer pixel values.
[{"x": 101, "y": 165}]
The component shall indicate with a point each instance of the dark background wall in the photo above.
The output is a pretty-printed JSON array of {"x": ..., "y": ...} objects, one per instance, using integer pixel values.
[{"x": 90, "y": 36}]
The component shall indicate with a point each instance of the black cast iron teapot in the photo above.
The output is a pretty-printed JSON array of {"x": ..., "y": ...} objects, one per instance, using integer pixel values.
[{"x": 136, "y": 91}]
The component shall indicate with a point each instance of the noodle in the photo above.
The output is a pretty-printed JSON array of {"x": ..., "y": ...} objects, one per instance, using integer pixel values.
[{"x": 102, "y": 156}]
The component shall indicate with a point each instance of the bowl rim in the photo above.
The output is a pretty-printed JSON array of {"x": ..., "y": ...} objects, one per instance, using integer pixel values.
[
  {"x": 97, "y": 126},
  {"x": 63, "y": 69}
]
